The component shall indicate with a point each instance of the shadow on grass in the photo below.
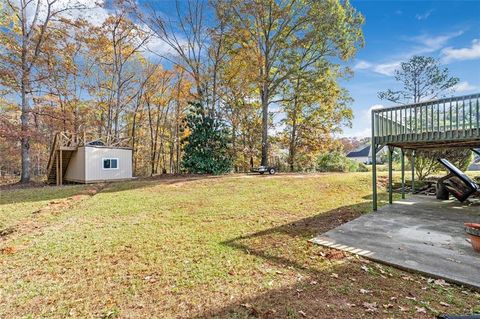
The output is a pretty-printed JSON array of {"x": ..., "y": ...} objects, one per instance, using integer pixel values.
[
  {"x": 316, "y": 292},
  {"x": 276, "y": 245}
]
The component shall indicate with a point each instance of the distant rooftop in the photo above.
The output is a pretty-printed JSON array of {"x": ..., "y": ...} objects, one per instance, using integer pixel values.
[{"x": 363, "y": 151}]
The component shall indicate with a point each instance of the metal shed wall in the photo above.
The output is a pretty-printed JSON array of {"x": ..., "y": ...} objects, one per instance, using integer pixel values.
[
  {"x": 76, "y": 167},
  {"x": 94, "y": 170}
]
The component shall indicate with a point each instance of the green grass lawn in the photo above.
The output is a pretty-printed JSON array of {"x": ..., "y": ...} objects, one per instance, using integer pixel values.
[{"x": 228, "y": 247}]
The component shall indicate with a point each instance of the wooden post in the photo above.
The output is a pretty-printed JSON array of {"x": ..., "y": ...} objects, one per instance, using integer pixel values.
[
  {"x": 61, "y": 167},
  {"x": 390, "y": 174},
  {"x": 403, "y": 173},
  {"x": 373, "y": 150},
  {"x": 413, "y": 171},
  {"x": 56, "y": 167}
]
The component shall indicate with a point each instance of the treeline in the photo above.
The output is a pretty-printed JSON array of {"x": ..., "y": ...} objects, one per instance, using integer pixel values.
[{"x": 265, "y": 70}]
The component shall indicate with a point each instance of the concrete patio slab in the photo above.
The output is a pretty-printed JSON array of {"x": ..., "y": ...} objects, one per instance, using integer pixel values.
[{"x": 420, "y": 233}]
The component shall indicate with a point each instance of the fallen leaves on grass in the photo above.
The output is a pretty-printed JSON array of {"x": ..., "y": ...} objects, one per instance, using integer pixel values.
[
  {"x": 441, "y": 282},
  {"x": 8, "y": 250},
  {"x": 370, "y": 307},
  {"x": 333, "y": 254},
  {"x": 420, "y": 309},
  {"x": 302, "y": 313}
]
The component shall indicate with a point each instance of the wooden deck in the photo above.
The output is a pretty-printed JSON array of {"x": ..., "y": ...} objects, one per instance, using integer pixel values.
[
  {"x": 438, "y": 124},
  {"x": 450, "y": 122}
]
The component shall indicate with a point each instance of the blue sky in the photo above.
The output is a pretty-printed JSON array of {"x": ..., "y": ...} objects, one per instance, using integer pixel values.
[{"x": 396, "y": 30}]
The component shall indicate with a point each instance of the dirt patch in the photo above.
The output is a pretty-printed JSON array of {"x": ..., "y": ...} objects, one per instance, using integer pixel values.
[
  {"x": 34, "y": 224},
  {"x": 57, "y": 206}
]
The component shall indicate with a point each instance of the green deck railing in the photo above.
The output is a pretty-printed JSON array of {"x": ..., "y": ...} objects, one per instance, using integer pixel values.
[{"x": 445, "y": 119}]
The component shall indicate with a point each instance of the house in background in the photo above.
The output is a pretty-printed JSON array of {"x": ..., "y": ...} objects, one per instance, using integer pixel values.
[
  {"x": 363, "y": 155},
  {"x": 74, "y": 160}
]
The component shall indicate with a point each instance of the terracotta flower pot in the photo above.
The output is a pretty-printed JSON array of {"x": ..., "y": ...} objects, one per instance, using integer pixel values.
[
  {"x": 474, "y": 234},
  {"x": 472, "y": 225}
]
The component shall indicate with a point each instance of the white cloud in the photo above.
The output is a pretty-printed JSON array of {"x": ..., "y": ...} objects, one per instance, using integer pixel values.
[
  {"x": 92, "y": 11},
  {"x": 158, "y": 47},
  {"x": 465, "y": 87},
  {"x": 424, "y": 43},
  {"x": 471, "y": 53},
  {"x": 387, "y": 69},
  {"x": 429, "y": 43},
  {"x": 425, "y": 15},
  {"x": 362, "y": 122},
  {"x": 362, "y": 65}
]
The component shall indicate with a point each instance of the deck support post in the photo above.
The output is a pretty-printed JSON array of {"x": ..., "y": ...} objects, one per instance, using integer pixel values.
[
  {"x": 373, "y": 150},
  {"x": 61, "y": 167},
  {"x": 403, "y": 173},
  {"x": 413, "y": 171},
  {"x": 390, "y": 174},
  {"x": 57, "y": 167}
]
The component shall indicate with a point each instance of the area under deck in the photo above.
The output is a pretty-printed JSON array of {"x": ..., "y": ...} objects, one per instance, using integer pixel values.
[
  {"x": 437, "y": 124},
  {"x": 420, "y": 233}
]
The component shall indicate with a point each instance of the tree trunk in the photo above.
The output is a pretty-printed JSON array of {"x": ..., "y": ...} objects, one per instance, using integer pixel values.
[
  {"x": 292, "y": 146},
  {"x": 171, "y": 159},
  {"x": 25, "y": 138},
  {"x": 264, "y": 99}
]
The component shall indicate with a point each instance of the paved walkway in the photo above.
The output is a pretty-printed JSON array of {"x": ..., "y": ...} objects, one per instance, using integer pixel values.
[{"x": 420, "y": 233}]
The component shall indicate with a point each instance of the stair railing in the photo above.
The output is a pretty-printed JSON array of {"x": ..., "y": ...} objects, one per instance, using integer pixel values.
[{"x": 52, "y": 152}]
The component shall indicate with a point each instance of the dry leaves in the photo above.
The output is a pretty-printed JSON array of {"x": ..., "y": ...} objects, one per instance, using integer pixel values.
[
  {"x": 8, "y": 250},
  {"x": 420, "y": 309},
  {"x": 370, "y": 307}
]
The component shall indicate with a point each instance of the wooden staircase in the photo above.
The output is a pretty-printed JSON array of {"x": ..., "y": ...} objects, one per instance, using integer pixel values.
[{"x": 63, "y": 147}]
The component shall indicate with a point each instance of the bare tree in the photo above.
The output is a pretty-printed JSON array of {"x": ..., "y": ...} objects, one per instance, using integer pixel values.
[{"x": 34, "y": 18}]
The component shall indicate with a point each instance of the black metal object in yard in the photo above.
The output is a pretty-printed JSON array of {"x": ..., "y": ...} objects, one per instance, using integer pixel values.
[
  {"x": 265, "y": 169},
  {"x": 457, "y": 183}
]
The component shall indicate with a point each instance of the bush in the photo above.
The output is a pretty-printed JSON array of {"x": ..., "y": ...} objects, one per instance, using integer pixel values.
[{"x": 338, "y": 162}]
